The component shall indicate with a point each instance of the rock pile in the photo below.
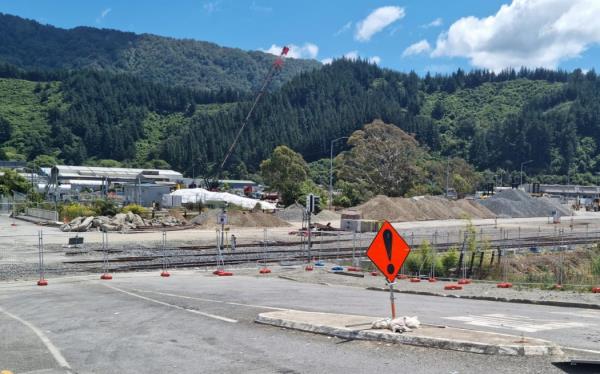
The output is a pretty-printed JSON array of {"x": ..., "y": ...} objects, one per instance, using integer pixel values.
[
  {"x": 519, "y": 204},
  {"x": 120, "y": 222}
]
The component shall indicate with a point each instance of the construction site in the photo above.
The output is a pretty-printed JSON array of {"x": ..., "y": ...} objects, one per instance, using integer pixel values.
[{"x": 409, "y": 251}]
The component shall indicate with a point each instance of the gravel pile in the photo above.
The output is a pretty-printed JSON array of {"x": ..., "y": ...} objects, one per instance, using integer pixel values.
[
  {"x": 292, "y": 213},
  {"x": 519, "y": 204},
  {"x": 237, "y": 218},
  {"x": 328, "y": 215},
  {"x": 421, "y": 208}
]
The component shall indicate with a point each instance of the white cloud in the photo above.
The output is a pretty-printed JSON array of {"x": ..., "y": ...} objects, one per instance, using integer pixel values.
[
  {"x": 378, "y": 20},
  {"x": 435, "y": 23},
  {"x": 103, "y": 15},
  {"x": 308, "y": 50},
  {"x": 375, "y": 60},
  {"x": 417, "y": 48},
  {"x": 343, "y": 29},
  {"x": 327, "y": 61},
  {"x": 531, "y": 33},
  {"x": 352, "y": 55}
]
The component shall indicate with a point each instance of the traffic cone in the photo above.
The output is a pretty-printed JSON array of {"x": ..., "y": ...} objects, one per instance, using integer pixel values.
[
  {"x": 504, "y": 285},
  {"x": 464, "y": 281},
  {"x": 415, "y": 280},
  {"x": 432, "y": 280}
]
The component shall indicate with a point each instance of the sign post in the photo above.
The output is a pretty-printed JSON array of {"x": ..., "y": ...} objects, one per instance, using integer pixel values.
[{"x": 388, "y": 251}]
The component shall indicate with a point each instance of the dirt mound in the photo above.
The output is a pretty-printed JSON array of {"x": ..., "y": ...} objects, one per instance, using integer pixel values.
[
  {"x": 239, "y": 218},
  {"x": 421, "y": 208},
  {"x": 292, "y": 213},
  {"x": 519, "y": 204},
  {"x": 327, "y": 215}
]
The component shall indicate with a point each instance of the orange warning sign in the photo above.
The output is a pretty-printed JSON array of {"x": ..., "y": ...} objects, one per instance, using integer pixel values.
[{"x": 388, "y": 251}]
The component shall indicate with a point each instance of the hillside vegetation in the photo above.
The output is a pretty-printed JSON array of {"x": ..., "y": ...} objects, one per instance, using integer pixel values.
[
  {"x": 493, "y": 121},
  {"x": 194, "y": 64}
]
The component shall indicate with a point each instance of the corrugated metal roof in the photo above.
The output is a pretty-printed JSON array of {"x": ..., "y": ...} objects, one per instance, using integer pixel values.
[{"x": 68, "y": 171}]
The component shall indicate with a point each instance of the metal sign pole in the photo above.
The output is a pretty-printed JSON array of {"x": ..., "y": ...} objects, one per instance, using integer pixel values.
[{"x": 392, "y": 301}]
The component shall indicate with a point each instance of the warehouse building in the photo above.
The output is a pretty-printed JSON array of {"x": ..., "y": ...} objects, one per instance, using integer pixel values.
[{"x": 64, "y": 179}]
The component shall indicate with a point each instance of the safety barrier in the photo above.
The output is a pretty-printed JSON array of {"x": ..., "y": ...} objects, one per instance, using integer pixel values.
[{"x": 49, "y": 215}]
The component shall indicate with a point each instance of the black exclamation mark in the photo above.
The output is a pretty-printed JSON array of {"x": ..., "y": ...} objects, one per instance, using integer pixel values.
[{"x": 387, "y": 241}]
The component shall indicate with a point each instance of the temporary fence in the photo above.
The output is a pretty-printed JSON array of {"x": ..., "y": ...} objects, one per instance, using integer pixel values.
[{"x": 497, "y": 255}]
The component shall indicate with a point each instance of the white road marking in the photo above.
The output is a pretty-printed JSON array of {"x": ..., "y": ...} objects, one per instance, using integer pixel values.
[
  {"x": 519, "y": 323},
  {"x": 224, "y": 319},
  {"x": 581, "y": 350},
  {"x": 212, "y": 300},
  {"x": 584, "y": 314},
  {"x": 58, "y": 357}
]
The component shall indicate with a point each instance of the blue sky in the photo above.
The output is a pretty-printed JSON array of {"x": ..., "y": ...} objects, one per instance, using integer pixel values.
[{"x": 423, "y": 35}]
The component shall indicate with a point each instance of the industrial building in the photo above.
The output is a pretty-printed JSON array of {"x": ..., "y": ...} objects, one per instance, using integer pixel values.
[{"x": 67, "y": 180}]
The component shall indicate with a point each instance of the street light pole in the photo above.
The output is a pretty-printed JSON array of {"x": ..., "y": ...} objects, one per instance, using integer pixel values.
[
  {"x": 331, "y": 170},
  {"x": 522, "y": 164}
]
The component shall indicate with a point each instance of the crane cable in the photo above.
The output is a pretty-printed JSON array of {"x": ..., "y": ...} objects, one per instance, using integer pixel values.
[{"x": 276, "y": 66}]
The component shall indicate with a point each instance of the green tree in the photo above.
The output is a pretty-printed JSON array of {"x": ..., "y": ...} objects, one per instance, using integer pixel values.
[
  {"x": 383, "y": 158},
  {"x": 6, "y": 130},
  {"x": 10, "y": 181},
  {"x": 285, "y": 171}
]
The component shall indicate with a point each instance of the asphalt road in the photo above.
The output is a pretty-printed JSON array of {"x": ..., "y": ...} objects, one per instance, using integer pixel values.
[{"x": 194, "y": 322}]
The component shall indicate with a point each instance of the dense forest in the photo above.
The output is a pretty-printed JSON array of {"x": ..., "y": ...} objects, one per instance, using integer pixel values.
[
  {"x": 193, "y": 64},
  {"x": 494, "y": 121}
]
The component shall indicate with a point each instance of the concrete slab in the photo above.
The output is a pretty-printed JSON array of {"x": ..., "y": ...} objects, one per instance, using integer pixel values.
[{"x": 358, "y": 327}]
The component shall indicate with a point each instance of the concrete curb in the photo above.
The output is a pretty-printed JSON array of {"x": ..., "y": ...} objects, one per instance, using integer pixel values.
[
  {"x": 565, "y": 304},
  {"x": 543, "y": 349}
]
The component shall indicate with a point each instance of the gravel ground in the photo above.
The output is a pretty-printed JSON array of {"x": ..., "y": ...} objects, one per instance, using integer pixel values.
[{"x": 321, "y": 275}]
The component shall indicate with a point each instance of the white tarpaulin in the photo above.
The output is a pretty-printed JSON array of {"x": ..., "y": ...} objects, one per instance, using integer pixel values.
[{"x": 193, "y": 195}]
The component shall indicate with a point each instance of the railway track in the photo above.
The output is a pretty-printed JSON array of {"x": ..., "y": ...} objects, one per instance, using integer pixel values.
[{"x": 294, "y": 255}]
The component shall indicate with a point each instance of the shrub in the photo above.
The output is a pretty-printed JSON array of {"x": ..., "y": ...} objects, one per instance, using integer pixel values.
[
  {"x": 450, "y": 260},
  {"x": 75, "y": 210},
  {"x": 135, "y": 209},
  {"x": 105, "y": 207}
]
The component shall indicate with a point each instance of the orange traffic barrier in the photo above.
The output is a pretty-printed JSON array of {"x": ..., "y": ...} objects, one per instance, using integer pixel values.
[
  {"x": 504, "y": 285},
  {"x": 452, "y": 287},
  {"x": 596, "y": 290},
  {"x": 464, "y": 281},
  {"x": 415, "y": 280}
]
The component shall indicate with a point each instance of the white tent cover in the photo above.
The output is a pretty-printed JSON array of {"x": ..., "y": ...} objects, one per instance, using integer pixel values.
[{"x": 193, "y": 195}]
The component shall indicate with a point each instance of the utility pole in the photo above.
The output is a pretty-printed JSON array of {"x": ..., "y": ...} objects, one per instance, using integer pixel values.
[
  {"x": 447, "y": 175},
  {"x": 522, "y": 164},
  {"x": 331, "y": 170}
]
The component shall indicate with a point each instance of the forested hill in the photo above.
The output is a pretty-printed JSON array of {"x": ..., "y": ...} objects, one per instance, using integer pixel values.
[
  {"x": 194, "y": 64},
  {"x": 494, "y": 121}
]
